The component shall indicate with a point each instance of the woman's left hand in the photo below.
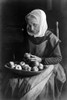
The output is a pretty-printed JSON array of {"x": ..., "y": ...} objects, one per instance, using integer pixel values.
[{"x": 35, "y": 58}]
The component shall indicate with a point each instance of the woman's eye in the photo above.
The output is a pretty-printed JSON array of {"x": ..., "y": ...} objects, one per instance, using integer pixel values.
[
  {"x": 28, "y": 26},
  {"x": 34, "y": 25}
]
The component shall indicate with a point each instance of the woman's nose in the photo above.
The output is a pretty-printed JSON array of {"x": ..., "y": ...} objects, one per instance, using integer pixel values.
[{"x": 32, "y": 28}]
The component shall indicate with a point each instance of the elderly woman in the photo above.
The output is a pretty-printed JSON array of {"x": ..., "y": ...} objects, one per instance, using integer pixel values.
[{"x": 44, "y": 47}]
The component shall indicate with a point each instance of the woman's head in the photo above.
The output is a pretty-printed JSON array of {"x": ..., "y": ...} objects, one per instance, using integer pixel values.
[{"x": 36, "y": 23}]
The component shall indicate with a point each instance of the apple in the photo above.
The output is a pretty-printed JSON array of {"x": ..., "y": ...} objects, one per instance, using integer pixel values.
[
  {"x": 36, "y": 63},
  {"x": 11, "y": 63},
  {"x": 41, "y": 66},
  {"x": 22, "y": 63},
  {"x": 18, "y": 67},
  {"x": 35, "y": 68},
  {"x": 29, "y": 68},
  {"x": 26, "y": 67}
]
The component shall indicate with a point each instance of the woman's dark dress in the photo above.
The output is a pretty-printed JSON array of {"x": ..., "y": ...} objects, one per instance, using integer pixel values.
[{"x": 47, "y": 48}]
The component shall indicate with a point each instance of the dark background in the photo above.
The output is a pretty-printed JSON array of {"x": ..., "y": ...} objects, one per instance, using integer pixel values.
[{"x": 12, "y": 14}]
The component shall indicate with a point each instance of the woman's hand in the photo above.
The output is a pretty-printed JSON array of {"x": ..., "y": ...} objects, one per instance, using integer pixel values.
[
  {"x": 35, "y": 58},
  {"x": 32, "y": 57}
]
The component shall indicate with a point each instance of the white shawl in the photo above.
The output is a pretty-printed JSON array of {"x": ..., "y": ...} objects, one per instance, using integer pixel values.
[{"x": 41, "y": 16}]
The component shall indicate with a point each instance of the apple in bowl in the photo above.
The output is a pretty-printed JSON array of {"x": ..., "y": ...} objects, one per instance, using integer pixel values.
[{"x": 34, "y": 63}]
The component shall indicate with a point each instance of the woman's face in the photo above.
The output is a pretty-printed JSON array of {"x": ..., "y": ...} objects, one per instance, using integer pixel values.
[{"x": 33, "y": 26}]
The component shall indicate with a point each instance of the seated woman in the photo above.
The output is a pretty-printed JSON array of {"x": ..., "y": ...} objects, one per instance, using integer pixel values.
[{"x": 44, "y": 47}]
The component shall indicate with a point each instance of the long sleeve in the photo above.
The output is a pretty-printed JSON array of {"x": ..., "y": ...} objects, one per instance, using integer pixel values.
[{"x": 54, "y": 57}]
